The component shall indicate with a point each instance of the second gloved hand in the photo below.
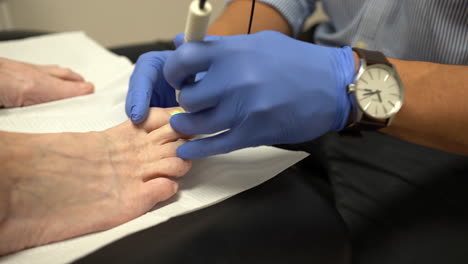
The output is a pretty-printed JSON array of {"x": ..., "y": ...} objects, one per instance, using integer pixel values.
[
  {"x": 265, "y": 88},
  {"x": 148, "y": 87}
]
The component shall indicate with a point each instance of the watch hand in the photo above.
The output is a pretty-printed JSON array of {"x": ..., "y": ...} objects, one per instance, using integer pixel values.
[
  {"x": 378, "y": 94},
  {"x": 369, "y": 93}
]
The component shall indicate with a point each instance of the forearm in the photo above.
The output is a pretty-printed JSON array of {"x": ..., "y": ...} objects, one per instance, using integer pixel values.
[
  {"x": 235, "y": 19},
  {"x": 435, "y": 110}
]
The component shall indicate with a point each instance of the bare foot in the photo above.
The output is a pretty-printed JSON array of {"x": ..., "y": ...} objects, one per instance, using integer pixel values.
[
  {"x": 24, "y": 84},
  {"x": 58, "y": 186}
]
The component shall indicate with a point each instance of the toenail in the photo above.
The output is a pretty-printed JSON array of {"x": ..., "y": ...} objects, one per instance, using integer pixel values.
[{"x": 176, "y": 112}]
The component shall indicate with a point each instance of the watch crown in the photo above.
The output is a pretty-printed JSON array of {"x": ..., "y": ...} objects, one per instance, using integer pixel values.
[{"x": 351, "y": 88}]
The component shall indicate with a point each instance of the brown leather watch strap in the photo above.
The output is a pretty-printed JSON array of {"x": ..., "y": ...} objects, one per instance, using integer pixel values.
[
  {"x": 369, "y": 123},
  {"x": 372, "y": 57},
  {"x": 366, "y": 123}
]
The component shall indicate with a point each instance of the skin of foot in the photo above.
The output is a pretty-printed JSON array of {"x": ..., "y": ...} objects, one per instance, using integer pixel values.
[
  {"x": 23, "y": 84},
  {"x": 58, "y": 186}
]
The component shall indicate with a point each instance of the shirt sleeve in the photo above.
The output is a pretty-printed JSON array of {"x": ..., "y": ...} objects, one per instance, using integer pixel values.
[{"x": 294, "y": 11}]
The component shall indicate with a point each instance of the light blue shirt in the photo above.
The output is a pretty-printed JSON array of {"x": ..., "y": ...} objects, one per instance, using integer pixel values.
[{"x": 423, "y": 30}]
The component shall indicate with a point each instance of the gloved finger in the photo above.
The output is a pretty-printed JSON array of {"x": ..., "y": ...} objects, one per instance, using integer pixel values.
[
  {"x": 222, "y": 143},
  {"x": 179, "y": 39},
  {"x": 207, "y": 122},
  {"x": 200, "y": 76},
  {"x": 202, "y": 95},
  {"x": 212, "y": 38},
  {"x": 144, "y": 79},
  {"x": 188, "y": 60},
  {"x": 137, "y": 103}
]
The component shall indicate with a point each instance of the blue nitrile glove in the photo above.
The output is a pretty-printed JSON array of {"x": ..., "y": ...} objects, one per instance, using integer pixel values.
[
  {"x": 148, "y": 87},
  {"x": 266, "y": 88}
]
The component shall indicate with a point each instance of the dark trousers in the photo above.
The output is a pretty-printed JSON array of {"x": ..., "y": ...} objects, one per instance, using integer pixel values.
[{"x": 402, "y": 203}]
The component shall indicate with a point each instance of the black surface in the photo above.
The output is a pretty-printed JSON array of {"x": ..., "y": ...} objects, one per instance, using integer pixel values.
[
  {"x": 287, "y": 219},
  {"x": 20, "y": 34}
]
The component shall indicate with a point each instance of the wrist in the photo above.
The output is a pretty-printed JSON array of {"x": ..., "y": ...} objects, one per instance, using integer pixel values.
[
  {"x": 351, "y": 115},
  {"x": 357, "y": 62},
  {"x": 347, "y": 64},
  {"x": 219, "y": 29}
]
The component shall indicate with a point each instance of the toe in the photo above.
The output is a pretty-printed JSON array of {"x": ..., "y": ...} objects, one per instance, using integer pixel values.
[{"x": 169, "y": 167}]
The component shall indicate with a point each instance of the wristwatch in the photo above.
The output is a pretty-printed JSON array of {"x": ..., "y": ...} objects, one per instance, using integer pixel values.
[{"x": 377, "y": 93}]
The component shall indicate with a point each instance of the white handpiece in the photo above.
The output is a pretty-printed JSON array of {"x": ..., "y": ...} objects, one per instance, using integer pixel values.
[{"x": 196, "y": 24}]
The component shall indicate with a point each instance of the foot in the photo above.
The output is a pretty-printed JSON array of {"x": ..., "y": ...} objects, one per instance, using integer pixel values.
[
  {"x": 23, "y": 84},
  {"x": 58, "y": 186}
]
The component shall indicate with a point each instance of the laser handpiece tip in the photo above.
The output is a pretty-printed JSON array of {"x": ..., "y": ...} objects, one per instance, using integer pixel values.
[{"x": 202, "y": 4}]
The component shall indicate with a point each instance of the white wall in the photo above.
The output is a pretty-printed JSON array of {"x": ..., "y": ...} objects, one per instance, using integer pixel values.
[{"x": 110, "y": 22}]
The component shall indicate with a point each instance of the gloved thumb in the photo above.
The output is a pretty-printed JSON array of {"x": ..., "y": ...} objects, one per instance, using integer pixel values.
[{"x": 179, "y": 39}]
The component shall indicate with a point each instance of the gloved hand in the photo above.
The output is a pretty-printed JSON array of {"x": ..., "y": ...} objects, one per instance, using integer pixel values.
[
  {"x": 148, "y": 87},
  {"x": 266, "y": 88}
]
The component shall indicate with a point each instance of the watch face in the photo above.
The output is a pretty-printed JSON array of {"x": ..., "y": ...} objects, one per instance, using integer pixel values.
[{"x": 378, "y": 92}]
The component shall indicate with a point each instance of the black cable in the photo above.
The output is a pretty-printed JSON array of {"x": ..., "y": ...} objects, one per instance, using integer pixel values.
[
  {"x": 252, "y": 10},
  {"x": 202, "y": 4}
]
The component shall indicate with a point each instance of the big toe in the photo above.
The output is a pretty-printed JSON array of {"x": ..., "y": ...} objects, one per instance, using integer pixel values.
[
  {"x": 86, "y": 88},
  {"x": 72, "y": 89}
]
